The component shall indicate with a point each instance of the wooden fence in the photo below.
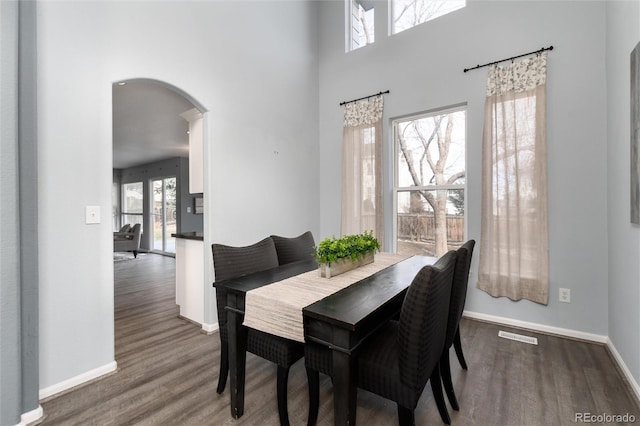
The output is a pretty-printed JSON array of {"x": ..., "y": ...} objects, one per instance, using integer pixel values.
[{"x": 421, "y": 227}]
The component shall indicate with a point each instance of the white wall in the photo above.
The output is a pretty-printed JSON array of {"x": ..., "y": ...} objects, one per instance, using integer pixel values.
[
  {"x": 10, "y": 353},
  {"x": 623, "y": 34},
  {"x": 423, "y": 69},
  {"x": 252, "y": 65}
]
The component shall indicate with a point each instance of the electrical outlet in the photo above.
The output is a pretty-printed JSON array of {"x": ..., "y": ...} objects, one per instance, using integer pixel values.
[{"x": 565, "y": 295}]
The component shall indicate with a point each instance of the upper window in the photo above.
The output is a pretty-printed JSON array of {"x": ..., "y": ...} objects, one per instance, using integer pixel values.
[
  {"x": 360, "y": 15},
  {"x": 429, "y": 188},
  {"x": 406, "y": 14}
]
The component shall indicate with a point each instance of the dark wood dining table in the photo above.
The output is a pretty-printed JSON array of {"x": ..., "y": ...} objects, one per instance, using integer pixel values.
[{"x": 341, "y": 322}]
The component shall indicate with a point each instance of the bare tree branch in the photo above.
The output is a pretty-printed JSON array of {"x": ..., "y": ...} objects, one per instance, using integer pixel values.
[
  {"x": 404, "y": 9},
  {"x": 455, "y": 177},
  {"x": 407, "y": 157},
  {"x": 427, "y": 142}
]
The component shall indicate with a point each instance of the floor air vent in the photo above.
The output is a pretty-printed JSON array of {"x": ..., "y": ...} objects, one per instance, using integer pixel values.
[{"x": 518, "y": 337}]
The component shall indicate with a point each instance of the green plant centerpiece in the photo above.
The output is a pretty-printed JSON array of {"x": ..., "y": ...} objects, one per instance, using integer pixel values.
[{"x": 338, "y": 255}]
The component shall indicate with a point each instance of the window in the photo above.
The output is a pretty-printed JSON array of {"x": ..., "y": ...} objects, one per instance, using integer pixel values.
[
  {"x": 429, "y": 185},
  {"x": 406, "y": 14},
  {"x": 360, "y": 14},
  {"x": 164, "y": 214},
  {"x": 132, "y": 204}
]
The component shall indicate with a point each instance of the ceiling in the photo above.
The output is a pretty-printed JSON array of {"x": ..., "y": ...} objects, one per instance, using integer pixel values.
[{"x": 147, "y": 125}]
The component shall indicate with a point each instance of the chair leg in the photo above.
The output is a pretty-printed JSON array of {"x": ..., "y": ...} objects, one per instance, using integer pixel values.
[
  {"x": 436, "y": 388},
  {"x": 283, "y": 377},
  {"x": 224, "y": 367},
  {"x": 445, "y": 373},
  {"x": 458, "y": 346},
  {"x": 313, "y": 378},
  {"x": 135, "y": 254},
  {"x": 406, "y": 416}
]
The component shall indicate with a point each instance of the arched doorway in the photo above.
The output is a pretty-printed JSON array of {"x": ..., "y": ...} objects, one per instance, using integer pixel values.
[{"x": 155, "y": 125}]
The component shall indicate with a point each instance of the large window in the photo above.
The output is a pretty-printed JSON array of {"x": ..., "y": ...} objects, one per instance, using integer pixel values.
[
  {"x": 430, "y": 182},
  {"x": 360, "y": 25},
  {"x": 132, "y": 204},
  {"x": 406, "y": 14}
]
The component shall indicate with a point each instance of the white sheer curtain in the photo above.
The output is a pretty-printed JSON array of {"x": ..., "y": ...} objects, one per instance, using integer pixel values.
[
  {"x": 362, "y": 167},
  {"x": 514, "y": 260}
]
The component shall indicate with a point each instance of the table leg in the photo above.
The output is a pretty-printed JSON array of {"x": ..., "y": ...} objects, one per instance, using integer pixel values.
[
  {"x": 345, "y": 389},
  {"x": 237, "y": 361}
]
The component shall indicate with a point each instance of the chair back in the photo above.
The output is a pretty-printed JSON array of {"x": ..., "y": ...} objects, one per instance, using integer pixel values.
[
  {"x": 295, "y": 248},
  {"x": 459, "y": 290},
  {"x": 136, "y": 230},
  {"x": 423, "y": 321},
  {"x": 232, "y": 262}
]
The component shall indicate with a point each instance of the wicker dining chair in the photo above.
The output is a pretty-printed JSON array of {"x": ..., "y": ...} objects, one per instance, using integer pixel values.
[
  {"x": 293, "y": 249},
  {"x": 230, "y": 262},
  {"x": 456, "y": 306},
  {"x": 397, "y": 361}
]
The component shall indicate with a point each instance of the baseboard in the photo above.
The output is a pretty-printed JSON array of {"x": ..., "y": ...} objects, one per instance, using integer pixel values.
[
  {"x": 635, "y": 387},
  {"x": 78, "y": 380},
  {"x": 563, "y": 332},
  {"x": 210, "y": 328},
  {"x": 547, "y": 329},
  {"x": 31, "y": 416},
  {"x": 206, "y": 328}
]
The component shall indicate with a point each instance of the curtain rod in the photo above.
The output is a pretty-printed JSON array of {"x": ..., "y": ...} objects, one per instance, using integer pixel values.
[
  {"x": 509, "y": 59},
  {"x": 364, "y": 97}
]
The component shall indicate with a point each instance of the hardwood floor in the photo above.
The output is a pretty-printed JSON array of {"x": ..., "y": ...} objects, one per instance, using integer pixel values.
[{"x": 168, "y": 372}]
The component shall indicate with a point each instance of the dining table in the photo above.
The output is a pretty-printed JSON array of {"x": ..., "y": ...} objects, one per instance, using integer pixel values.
[{"x": 341, "y": 322}]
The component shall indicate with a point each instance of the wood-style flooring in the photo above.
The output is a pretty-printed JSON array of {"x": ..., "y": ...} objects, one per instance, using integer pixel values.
[{"x": 168, "y": 371}]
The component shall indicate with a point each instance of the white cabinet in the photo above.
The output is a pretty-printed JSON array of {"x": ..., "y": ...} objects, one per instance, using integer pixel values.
[
  {"x": 190, "y": 278},
  {"x": 196, "y": 150}
]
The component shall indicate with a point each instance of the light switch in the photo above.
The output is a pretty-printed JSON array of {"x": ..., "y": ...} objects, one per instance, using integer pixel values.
[{"x": 92, "y": 214}]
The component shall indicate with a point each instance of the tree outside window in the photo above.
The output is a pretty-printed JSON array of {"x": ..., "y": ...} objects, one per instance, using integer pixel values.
[
  {"x": 430, "y": 182},
  {"x": 409, "y": 13}
]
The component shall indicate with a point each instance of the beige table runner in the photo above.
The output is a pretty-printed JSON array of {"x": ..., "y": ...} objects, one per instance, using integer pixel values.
[{"x": 277, "y": 308}]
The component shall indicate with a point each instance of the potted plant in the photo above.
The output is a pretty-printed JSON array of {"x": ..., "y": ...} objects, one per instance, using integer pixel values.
[{"x": 338, "y": 255}]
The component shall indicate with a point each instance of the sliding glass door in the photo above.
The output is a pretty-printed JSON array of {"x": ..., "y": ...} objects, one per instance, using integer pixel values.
[{"x": 164, "y": 214}]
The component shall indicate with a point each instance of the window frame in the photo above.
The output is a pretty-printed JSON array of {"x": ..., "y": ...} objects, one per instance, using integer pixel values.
[
  {"x": 396, "y": 189},
  {"x": 349, "y": 10}
]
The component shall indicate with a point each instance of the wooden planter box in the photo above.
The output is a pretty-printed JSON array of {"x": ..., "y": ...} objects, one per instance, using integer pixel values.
[{"x": 343, "y": 265}]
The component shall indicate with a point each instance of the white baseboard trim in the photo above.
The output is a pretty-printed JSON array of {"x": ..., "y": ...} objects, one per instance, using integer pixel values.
[
  {"x": 78, "y": 380},
  {"x": 635, "y": 387},
  {"x": 565, "y": 332},
  {"x": 31, "y": 416},
  {"x": 210, "y": 328}
]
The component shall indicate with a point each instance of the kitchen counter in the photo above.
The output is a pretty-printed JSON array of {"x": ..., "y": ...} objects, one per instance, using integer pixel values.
[
  {"x": 190, "y": 275},
  {"x": 198, "y": 236}
]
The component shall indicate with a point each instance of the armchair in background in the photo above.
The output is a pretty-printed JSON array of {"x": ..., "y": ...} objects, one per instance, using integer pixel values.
[{"x": 128, "y": 240}]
